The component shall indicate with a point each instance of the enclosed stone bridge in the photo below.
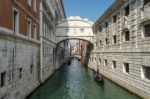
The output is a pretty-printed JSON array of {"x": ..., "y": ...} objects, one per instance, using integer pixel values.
[{"x": 74, "y": 28}]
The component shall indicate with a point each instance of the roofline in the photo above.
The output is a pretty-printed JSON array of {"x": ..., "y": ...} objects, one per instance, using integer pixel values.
[
  {"x": 114, "y": 7},
  {"x": 63, "y": 8},
  {"x": 74, "y": 20}
]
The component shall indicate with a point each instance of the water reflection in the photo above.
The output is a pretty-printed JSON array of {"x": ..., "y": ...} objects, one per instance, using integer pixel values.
[{"x": 76, "y": 82}]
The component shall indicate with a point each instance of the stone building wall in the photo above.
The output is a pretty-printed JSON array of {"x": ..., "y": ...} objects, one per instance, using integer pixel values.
[
  {"x": 47, "y": 26},
  {"x": 115, "y": 48},
  {"x": 19, "y": 48},
  {"x": 50, "y": 12},
  {"x": 19, "y": 60}
]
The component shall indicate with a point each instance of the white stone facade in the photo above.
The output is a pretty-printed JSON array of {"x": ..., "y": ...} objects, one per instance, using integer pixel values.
[
  {"x": 50, "y": 12},
  {"x": 122, "y": 47},
  {"x": 47, "y": 31},
  {"x": 25, "y": 63},
  {"x": 19, "y": 62}
]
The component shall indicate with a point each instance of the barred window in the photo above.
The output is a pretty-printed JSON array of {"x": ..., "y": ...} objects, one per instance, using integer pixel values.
[
  {"x": 105, "y": 62},
  {"x": 106, "y": 24},
  {"x": 114, "y": 39},
  {"x": 147, "y": 30},
  {"x": 31, "y": 69},
  {"x": 114, "y": 64},
  {"x": 99, "y": 61},
  {"x": 146, "y": 72},
  {"x": 126, "y": 67},
  {"x": 82, "y": 30},
  {"x": 106, "y": 41},
  {"x": 127, "y": 10},
  {"x": 2, "y": 79},
  {"x": 127, "y": 36},
  {"x": 20, "y": 73},
  {"x": 114, "y": 18}
]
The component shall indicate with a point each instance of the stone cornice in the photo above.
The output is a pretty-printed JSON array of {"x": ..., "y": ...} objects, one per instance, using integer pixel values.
[
  {"x": 7, "y": 33},
  {"x": 114, "y": 7}
]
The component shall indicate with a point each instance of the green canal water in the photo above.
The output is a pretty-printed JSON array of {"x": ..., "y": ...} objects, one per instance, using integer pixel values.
[{"x": 76, "y": 82}]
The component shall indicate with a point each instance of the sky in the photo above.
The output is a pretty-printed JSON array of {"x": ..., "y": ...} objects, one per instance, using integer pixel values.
[{"x": 91, "y": 9}]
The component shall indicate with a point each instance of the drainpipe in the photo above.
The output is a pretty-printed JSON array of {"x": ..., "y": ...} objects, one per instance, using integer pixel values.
[{"x": 41, "y": 46}]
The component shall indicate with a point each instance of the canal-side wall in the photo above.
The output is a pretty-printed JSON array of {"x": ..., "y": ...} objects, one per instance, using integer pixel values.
[
  {"x": 47, "y": 38},
  {"x": 19, "y": 61},
  {"x": 120, "y": 57},
  {"x": 21, "y": 44},
  {"x": 132, "y": 80},
  {"x": 124, "y": 84},
  {"x": 19, "y": 48}
]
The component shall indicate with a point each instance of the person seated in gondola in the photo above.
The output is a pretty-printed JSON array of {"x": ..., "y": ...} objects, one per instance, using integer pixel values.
[
  {"x": 97, "y": 72},
  {"x": 94, "y": 72},
  {"x": 98, "y": 76}
]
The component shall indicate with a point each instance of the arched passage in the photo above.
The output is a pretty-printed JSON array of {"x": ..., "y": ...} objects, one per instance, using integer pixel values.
[{"x": 63, "y": 51}]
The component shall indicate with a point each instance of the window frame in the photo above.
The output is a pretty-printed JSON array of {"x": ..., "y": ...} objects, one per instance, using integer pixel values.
[
  {"x": 17, "y": 29},
  {"x": 2, "y": 79},
  {"x": 20, "y": 72},
  {"x": 143, "y": 75},
  {"x": 106, "y": 24},
  {"x": 114, "y": 39},
  {"x": 35, "y": 5},
  {"x": 126, "y": 68},
  {"x": 106, "y": 62},
  {"x": 114, "y": 18},
  {"x": 34, "y": 31},
  {"x": 127, "y": 10},
  {"x": 106, "y": 41},
  {"x": 114, "y": 64},
  {"x": 126, "y": 37},
  {"x": 82, "y": 30},
  {"x": 29, "y": 28},
  {"x": 145, "y": 34}
]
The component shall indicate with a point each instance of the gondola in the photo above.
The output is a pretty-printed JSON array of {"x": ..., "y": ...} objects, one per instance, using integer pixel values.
[
  {"x": 69, "y": 62},
  {"x": 97, "y": 77}
]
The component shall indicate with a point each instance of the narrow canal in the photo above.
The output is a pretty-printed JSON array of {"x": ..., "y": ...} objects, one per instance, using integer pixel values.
[{"x": 76, "y": 82}]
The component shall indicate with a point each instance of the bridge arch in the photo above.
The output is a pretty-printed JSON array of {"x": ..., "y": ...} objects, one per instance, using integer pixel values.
[
  {"x": 64, "y": 51},
  {"x": 75, "y": 38},
  {"x": 73, "y": 28}
]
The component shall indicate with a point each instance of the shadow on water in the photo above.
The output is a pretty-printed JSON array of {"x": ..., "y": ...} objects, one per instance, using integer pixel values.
[{"x": 53, "y": 84}]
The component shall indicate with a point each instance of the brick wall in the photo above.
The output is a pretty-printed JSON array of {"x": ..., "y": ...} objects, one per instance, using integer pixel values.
[{"x": 25, "y": 12}]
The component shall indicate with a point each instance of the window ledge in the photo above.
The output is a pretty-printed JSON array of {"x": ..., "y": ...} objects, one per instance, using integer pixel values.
[
  {"x": 146, "y": 38},
  {"x": 126, "y": 73},
  {"x": 145, "y": 79}
]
